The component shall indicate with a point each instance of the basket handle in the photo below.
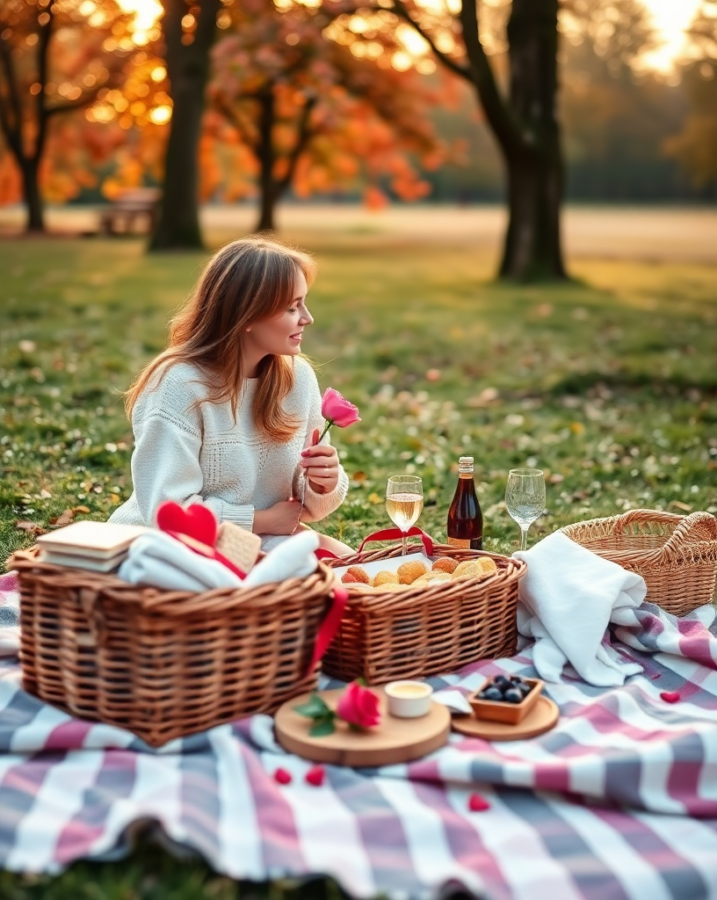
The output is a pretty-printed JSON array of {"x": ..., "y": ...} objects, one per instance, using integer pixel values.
[
  {"x": 644, "y": 516},
  {"x": 388, "y": 534},
  {"x": 697, "y": 528}
]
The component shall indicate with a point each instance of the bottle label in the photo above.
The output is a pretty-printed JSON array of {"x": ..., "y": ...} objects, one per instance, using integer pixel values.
[{"x": 459, "y": 543}]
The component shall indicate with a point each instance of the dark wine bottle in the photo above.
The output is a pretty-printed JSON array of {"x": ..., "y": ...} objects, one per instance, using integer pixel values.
[{"x": 465, "y": 519}]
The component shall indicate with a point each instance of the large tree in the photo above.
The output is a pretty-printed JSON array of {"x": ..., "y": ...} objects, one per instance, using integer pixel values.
[
  {"x": 523, "y": 118},
  {"x": 319, "y": 113},
  {"x": 56, "y": 56},
  {"x": 189, "y": 30}
]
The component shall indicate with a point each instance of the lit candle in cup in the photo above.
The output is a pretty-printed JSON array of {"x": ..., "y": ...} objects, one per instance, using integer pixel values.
[{"x": 408, "y": 699}]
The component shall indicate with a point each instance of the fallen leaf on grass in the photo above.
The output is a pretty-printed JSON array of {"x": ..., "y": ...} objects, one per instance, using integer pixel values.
[
  {"x": 65, "y": 518},
  {"x": 30, "y": 527}
]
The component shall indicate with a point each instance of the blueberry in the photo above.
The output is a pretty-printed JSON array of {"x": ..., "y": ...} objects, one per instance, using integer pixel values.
[
  {"x": 516, "y": 679},
  {"x": 513, "y": 696},
  {"x": 492, "y": 693},
  {"x": 500, "y": 680},
  {"x": 525, "y": 689}
]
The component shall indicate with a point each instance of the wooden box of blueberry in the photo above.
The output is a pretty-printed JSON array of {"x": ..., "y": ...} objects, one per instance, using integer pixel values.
[{"x": 506, "y": 699}]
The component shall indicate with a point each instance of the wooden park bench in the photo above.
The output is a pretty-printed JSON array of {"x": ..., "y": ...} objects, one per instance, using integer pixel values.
[{"x": 130, "y": 208}]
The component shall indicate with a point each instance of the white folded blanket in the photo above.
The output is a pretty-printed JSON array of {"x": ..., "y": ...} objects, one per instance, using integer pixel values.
[
  {"x": 155, "y": 559},
  {"x": 567, "y": 598}
]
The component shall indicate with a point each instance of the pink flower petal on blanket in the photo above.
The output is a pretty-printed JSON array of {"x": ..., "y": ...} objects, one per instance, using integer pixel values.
[
  {"x": 315, "y": 776},
  {"x": 670, "y": 696},
  {"x": 476, "y": 803}
]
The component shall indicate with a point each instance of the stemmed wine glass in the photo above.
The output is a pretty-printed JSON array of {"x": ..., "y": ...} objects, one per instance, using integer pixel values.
[
  {"x": 404, "y": 502},
  {"x": 525, "y": 499}
]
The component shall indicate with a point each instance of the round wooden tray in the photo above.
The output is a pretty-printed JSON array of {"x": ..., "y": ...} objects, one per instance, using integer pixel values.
[
  {"x": 393, "y": 741},
  {"x": 542, "y": 717}
]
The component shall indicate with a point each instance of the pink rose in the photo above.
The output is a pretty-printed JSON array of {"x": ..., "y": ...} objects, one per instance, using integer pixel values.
[
  {"x": 337, "y": 410},
  {"x": 359, "y": 706}
]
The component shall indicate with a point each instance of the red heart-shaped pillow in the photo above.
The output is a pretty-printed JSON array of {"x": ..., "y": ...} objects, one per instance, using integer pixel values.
[{"x": 196, "y": 520}]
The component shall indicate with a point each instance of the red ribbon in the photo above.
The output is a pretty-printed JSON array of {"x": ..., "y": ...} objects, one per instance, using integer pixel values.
[
  {"x": 330, "y": 626},
  {"x": 205, "y": 550},
  {"x": 325, "y": 554},
  {"x": 388, "y": 534}
]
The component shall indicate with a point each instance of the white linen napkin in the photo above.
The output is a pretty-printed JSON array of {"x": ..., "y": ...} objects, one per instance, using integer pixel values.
[
  {"x": 160, "y": 561},
  {"x": 567, "y": 597},
  {"x": 293, "y": 558}
]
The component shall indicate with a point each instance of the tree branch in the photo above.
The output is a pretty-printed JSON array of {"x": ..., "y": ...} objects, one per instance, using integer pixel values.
[
  {"x": 10, "y": 134},
  {"x": 305, "y": 133},
  {"x": 43, "y": 47},
  {"x": 450, "y": 63},
  {"x": 15, "y": 107},
  {"x": 497, "y": 110},
  {"x": 224, "y": 109}
]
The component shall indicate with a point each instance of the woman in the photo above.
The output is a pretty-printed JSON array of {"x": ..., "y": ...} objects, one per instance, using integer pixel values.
[{"x": 228, "y": 415}]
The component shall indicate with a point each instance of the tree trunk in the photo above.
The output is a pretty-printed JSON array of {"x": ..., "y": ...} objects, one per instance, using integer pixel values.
[
  {"x": 532, "y": 249},
  {"x": 265, "y": 152},
  {"x": 32, "y": 196},
  {"x": 534, "y": 165},
  {"x": 188, "y": 70},
  {"x": 267, "y": 206}
]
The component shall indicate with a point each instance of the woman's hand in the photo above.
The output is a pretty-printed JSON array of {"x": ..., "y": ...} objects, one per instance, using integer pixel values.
[
  {"x": 321, "y": 465},
  {"x": 281, "y": 518}
]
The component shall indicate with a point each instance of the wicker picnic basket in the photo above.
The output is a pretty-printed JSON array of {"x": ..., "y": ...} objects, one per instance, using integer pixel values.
[
  {"x": 676, "y": 555},
  {"x": 165, "y": 664},
  {"x": 427, "y": 629}
]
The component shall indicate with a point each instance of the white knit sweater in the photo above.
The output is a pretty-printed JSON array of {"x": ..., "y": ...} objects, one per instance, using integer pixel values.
[{"x": 198, "y": 454}]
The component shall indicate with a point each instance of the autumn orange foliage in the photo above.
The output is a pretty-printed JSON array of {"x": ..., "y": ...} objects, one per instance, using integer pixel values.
[{"x": 342, "y": 118}]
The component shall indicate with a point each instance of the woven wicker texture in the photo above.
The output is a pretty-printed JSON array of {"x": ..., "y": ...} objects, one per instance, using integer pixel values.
[
  {"x": 427, "y": 629},
  {"x": 676, "y": 555},
  {"x": 165, "y": 664}
]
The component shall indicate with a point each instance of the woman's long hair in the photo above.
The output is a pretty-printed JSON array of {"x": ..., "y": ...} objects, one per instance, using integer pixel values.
[{"x": 245, "y": 282}]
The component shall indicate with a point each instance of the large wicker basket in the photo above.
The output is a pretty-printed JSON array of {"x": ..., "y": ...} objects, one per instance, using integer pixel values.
[
  {"x": 165, "y": 664},
  {"x": 428, "y": 629},
  {"x": 676, "y": 555}
]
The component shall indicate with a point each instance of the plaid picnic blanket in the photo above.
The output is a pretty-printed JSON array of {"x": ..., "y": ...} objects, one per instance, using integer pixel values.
[{"x": 619, "y": 800}]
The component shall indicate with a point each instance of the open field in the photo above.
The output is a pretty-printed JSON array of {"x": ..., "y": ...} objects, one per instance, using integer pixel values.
[
  {"x": 609, "y": 383},
  {"x": 658, "y": 234}
]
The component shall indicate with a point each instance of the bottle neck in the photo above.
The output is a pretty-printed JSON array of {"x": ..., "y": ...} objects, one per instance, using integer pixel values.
[{"x": 466, "y": 475}]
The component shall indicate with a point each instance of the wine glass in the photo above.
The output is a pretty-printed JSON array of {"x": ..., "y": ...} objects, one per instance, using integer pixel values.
[
  {"x": 525, "y": 499},
  {"x": 404, "y": 502}
]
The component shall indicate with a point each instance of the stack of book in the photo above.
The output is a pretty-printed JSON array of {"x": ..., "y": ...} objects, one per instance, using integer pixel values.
[{"x": 98, "y": 546}]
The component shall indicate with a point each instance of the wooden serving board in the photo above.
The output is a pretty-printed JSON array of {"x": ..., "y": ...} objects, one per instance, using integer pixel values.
[
  {"x": 393, "y": 741},
  {"x": 542, "y": 717}
]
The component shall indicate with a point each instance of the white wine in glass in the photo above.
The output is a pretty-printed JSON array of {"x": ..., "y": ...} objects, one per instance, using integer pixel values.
[
  {"x": 525, "y": 499},
  {"x": 404, "y": 502}
]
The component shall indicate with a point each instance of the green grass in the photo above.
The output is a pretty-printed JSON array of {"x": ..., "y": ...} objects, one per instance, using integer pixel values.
[
  {"x": 611, "y": 388},
  {"x": 608, "y": 383}
]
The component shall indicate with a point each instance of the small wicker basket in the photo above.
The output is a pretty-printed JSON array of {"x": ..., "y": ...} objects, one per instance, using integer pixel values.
[
  {"x": 676, "y": 555},
  {"x": 165, "y": 664},
  {"x": 428, "y": 629}
]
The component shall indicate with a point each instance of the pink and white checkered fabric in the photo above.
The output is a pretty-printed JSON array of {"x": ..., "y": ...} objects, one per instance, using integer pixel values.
[
  {"x": 618, "y": 801},
  {"x": 9, "y": 615}
]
